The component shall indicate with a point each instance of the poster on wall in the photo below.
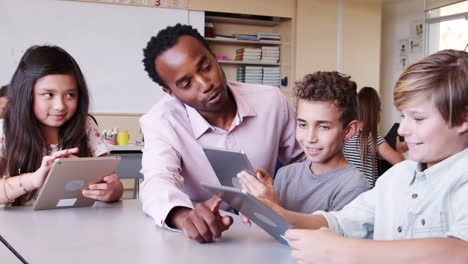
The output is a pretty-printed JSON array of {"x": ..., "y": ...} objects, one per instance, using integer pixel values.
[
  {"x": 417, "y": 29},
  {"x": 403, "y": 50},
  {"x": 182, "y": 4},
  {"x": 416, "y": 38}
]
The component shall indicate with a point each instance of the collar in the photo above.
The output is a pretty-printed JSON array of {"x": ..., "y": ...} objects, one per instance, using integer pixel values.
[
  {"x": 244, "y": 109},
  {"x": 435, "y": 173}
]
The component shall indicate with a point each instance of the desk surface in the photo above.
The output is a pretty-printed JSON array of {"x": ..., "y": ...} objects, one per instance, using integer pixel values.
[
  {"x": 6, "y": 256},
  {"x": 129, "y": 147},
  {"x": 122, "y": 233}
]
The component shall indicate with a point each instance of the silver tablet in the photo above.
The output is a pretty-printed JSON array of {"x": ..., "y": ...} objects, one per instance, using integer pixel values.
[
  {"x": 68, "y": 177},
  {"x": 259, "y": 213},
  {"x": 226, "y": 163}
]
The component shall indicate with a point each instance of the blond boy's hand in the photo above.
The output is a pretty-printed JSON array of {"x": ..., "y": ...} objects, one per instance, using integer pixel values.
[
  {"x": 261, "y": 186},
  {"x": 317, "y": 246}
]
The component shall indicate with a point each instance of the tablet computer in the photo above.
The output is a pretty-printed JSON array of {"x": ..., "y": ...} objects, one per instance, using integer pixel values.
[
  {"x": 68, "y": 177},
  {"x": 226, "y": 163},
  {"x": 259, "y": 213}
]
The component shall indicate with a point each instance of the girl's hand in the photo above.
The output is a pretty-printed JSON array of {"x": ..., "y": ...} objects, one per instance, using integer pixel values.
[
  {"x": 39, "y": 176},
  {"x": 108, "y": 190},
  {"x": 401, "y": 146},
  {"x": 317, "y": 246}
]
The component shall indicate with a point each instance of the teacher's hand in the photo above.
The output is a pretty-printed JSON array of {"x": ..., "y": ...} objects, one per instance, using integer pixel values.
[{"x": 203, "y": 223}]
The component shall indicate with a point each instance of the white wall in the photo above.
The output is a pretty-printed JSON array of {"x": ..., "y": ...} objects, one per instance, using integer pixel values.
[
  {"x": 106, "y": 40},
  {"x": 397, "y": 17}
]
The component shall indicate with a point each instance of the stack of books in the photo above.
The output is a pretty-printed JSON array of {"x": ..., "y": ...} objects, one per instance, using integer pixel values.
[
  {"x": 269, "y": 36},
  {"x": 224, "y": 37},
  {"x": 270, "y": 54},
  {"x": 271, "y": 76},
  {"x": 246, "y": 54},
  {"x": 250, "y": 74}
]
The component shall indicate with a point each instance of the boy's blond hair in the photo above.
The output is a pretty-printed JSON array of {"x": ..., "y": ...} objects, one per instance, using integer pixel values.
[{"x": 441, "y": 77}]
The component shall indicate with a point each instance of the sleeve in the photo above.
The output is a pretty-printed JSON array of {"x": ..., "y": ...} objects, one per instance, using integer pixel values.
[
  {"x": 380, "y": 139},
  {"x": 96, "y": 143},
  {"x": 460, "y": 210},
  {"x": 162, "y": 187},
  {"x": 279, "y": 183},
  {"x": 289, "y": 149},
  {"x": 356, "y": 219},
  {"x": 2, "y": 139}
]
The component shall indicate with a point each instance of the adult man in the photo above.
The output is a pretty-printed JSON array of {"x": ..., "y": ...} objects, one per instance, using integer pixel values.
[{"x": 203, "y": 109}]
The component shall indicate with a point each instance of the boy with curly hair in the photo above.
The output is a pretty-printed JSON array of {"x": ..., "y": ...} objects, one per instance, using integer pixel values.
[{"x": 325, "y": 118}]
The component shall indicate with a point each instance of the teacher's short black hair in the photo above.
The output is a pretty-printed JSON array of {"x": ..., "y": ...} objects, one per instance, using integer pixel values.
[{"x": 164, "y": 40}]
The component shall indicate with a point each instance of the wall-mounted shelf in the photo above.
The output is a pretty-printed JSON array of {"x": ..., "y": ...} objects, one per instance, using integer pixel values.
[
  {"x": 254, "y": 42},
  {"x": 230, "y": 49},
  {"x": 248, "y": 63},
  {"x": 246, "y": 21}
]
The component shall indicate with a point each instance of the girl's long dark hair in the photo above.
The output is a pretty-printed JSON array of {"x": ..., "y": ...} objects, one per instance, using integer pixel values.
[
  {"x": 25, "y": 145},
  {"x": 369, "y": 115}
]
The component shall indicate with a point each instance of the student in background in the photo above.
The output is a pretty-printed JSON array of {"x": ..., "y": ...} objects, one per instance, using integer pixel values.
[
  {"x": 3, "y": 100},
  {"x": 203, "y": 108},
  {"x": 362, "y": 149},
  {"x": 47, "y": 118},
  {"x": 326, "y": 114},
  {"x": 395, "y": 141},
  {"x": 417, "y": 212}
]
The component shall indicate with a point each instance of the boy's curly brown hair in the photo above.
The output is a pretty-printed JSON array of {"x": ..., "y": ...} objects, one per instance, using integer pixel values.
[{"x": 333, "y": 87}]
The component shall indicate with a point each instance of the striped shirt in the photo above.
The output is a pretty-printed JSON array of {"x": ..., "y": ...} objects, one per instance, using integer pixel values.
[{"x": 352, "y": 152}]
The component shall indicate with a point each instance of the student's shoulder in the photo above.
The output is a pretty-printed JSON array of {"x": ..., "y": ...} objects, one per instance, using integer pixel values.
[
  {"x": 2, "y": 131},
  {"x": 457, "y": 168},
  {"x": 398, "y": 172},
  {"x": 293, "y": 168},
  {"x": 352, "y": 174}
]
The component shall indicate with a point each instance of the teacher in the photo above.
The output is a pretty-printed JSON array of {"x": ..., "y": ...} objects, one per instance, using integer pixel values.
[{"x": 203, "y": 109}]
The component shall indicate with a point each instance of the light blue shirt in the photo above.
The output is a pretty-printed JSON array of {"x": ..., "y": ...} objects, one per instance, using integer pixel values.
[{"x": 409, "y": 203}]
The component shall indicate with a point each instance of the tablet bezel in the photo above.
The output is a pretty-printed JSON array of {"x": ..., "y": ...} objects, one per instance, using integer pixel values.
[
  {"x": 226, "y": 163},
  {"x": 252, "y": 208}
]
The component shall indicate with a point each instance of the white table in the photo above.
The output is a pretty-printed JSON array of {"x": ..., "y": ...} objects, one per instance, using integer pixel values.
[{"x": 122, "y": 233}]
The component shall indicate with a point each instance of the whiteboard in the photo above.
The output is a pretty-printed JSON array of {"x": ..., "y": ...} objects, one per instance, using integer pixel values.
[{"x": 106, "y": 40}]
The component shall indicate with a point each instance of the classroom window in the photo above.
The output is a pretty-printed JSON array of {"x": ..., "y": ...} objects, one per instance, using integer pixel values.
[{"x": 447, "y": 28}]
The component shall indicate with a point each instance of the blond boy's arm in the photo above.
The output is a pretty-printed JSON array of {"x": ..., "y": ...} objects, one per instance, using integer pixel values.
[
  {"x": 326, "y": 246},
  {"x": 389, "y": 154},
  {"x": 427, "y": 251}
]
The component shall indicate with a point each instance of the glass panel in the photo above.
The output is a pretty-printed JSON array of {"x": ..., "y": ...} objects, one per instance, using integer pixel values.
[
  {"x": 458, "y": 8},
  {"x": 451, "y": 34}
]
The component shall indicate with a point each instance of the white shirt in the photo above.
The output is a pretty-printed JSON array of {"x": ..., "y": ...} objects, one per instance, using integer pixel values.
[{"x": 408, "y": 203}]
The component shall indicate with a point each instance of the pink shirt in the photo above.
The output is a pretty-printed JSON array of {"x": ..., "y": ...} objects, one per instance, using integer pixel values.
[{"x": 173, "y": 159}]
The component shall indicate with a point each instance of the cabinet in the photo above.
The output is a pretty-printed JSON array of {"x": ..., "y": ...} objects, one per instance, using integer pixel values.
[{"x": 226, "y": 25}]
